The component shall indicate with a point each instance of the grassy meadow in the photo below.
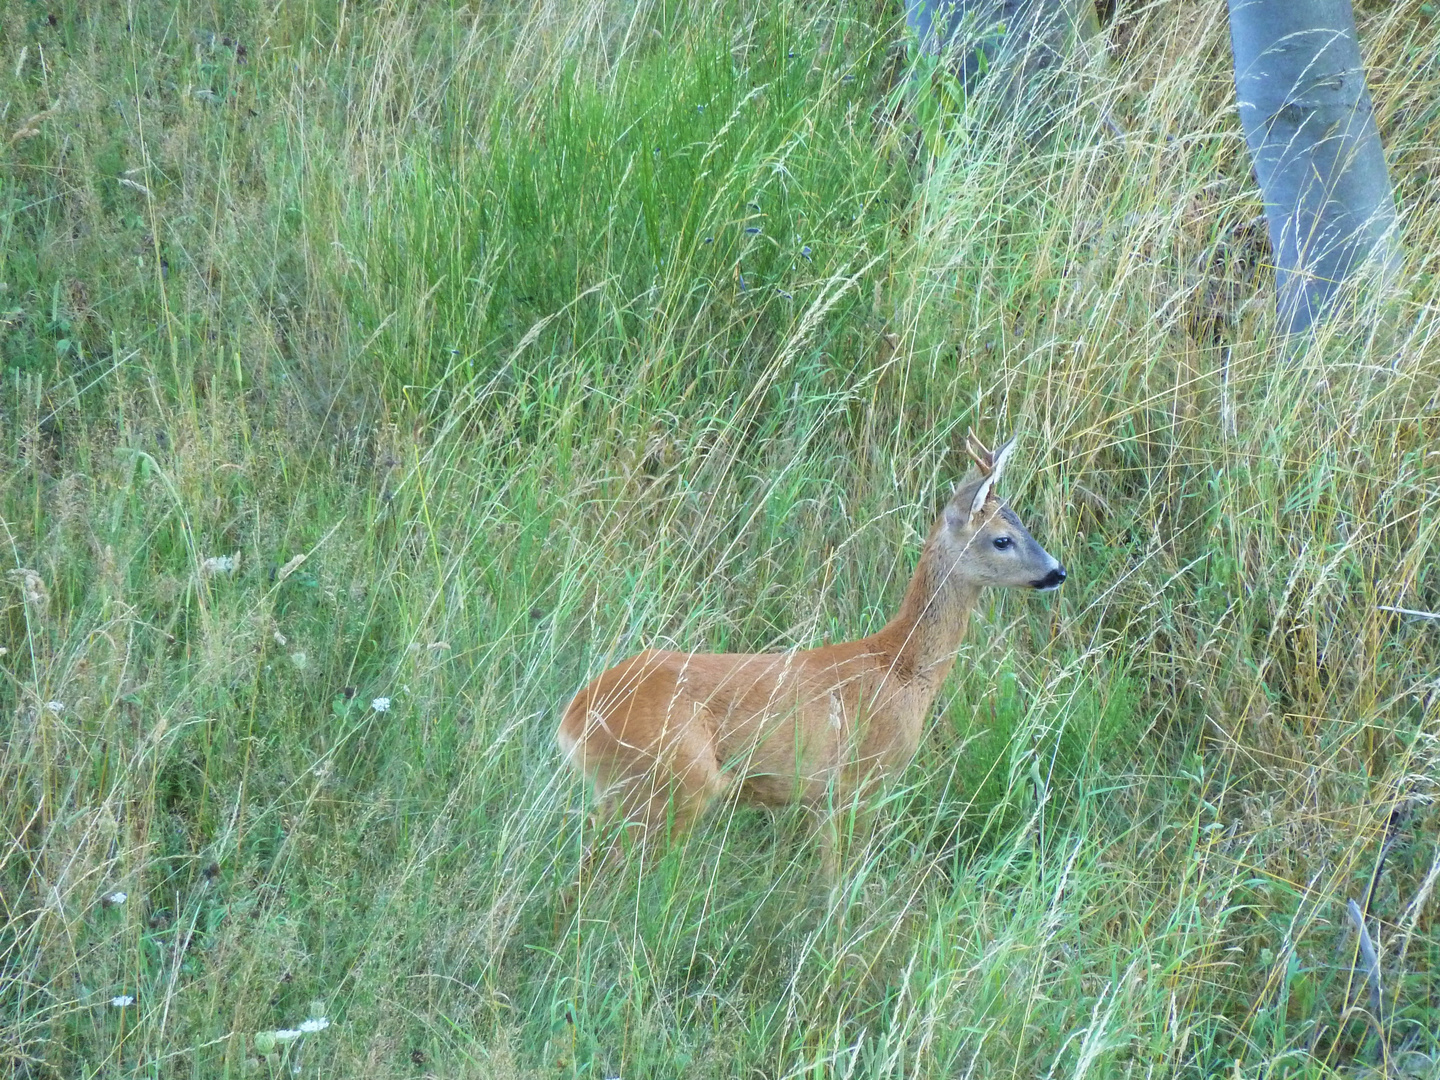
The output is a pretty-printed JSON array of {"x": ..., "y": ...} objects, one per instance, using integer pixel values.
[{"x": 373, "y": 375}]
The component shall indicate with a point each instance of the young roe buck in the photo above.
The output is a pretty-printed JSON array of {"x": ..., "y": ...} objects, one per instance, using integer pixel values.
[{"x": 663, "y": 735}]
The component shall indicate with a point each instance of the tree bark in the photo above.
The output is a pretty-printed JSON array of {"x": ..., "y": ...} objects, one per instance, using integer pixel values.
[
  {"x": 1020, "y": 36},
  {"x": 1309, "y": 123}
]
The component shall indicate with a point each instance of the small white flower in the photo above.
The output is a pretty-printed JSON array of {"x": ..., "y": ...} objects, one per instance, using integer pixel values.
[
  {"x": 122, "y": 1000},
  {"x": 299, "y": 659},
  {"x": 219, "y": 564},
  {"x": 56, "y": 707},
  {"x": 117, "y": 897},
  {"x": 381, "y": 704},
  {"x": 32, "y": 587},
  {"x": 286, "y": 1035},
  {"x": 280, "y": 639},
  {"x": 315, "y": 1023}
]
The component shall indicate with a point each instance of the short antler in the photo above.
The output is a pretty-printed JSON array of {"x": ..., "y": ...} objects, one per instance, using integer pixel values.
[
  {"x": 987, "y": 460},
  {"x": 978, "y": 454}
]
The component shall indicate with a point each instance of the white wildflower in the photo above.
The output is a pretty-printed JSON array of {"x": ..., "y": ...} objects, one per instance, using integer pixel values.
[
  {"x": 122, "y": 1001},
  {"x": 286, "y": 1035},
  {"x": 220, "y": 564},
  {"x": 317, "y": 1023},
  {"x": 31, "y": 586},
  {"x": 56, "y": 707},
  {"x": 299, "y": 659},
  {"x": 280, "y": 639},
  {"x": 117, "y": 898},
  {"x": 381, "y": 704}
]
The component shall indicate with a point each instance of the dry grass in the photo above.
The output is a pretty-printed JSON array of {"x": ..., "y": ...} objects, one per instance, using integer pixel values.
[{"x": 461, "y": 307}]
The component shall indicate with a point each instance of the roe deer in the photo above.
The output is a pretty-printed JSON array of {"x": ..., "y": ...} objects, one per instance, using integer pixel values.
[{"x": 663, "y": 735}]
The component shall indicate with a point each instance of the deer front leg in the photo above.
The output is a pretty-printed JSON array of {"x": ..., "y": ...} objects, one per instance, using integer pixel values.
[
  {"x": 826, "y": 831},
  {"x": 842, "y": 825}
]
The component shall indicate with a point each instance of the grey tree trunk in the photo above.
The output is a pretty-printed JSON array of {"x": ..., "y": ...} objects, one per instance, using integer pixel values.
[
  {"x": 1018, "y": 36},
  {"x": 1316, "y": 151}
]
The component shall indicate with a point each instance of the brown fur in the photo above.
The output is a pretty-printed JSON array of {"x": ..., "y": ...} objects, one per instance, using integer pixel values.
[{"x": 663, "y": 735}]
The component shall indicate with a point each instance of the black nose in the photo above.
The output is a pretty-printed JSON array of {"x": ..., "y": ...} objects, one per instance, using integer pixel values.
[{"x": 1052, "y": 580}]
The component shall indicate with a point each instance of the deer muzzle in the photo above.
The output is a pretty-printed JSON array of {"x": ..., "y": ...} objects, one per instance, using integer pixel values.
[{"x": 1052, "y": 580}]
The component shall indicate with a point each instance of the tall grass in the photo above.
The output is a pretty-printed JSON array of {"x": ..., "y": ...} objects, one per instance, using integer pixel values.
[{"x": 373, "y": 376}]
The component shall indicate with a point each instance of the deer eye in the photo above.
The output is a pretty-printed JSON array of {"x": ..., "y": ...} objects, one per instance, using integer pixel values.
[{"x": 1002, "y": 542}]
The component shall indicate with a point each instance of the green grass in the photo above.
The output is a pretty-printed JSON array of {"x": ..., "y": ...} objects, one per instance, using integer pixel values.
[{"x": 449, "y": 303}]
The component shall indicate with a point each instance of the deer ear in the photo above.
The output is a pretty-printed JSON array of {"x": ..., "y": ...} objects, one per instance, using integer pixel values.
[
  {"x": 992, "y": 474},
  {"x": 989, "y": 465},
  {"x": 1002, "y": 455},
  {"x": 982, "y": 492}
]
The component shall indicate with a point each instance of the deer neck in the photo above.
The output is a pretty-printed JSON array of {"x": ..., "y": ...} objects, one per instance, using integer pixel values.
[{"x": 926, "y": 632}]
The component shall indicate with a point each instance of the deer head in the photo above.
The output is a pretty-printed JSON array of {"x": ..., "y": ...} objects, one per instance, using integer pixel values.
[{"x": 980, "y": 540}]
